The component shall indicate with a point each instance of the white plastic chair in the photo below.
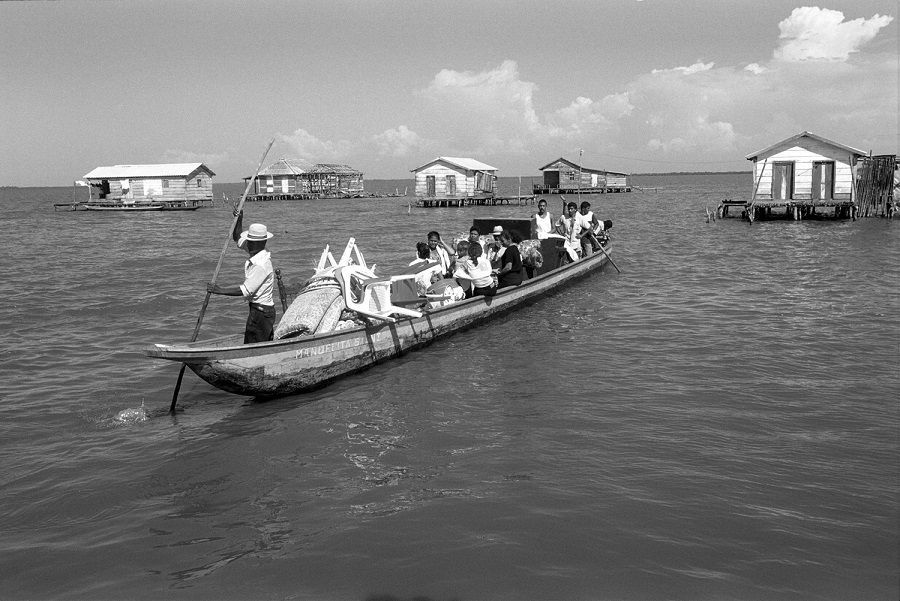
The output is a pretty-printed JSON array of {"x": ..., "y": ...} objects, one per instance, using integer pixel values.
[{"x": 369, "y": 295}]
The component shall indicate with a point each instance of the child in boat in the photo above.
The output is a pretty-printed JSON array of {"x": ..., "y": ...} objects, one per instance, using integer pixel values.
[
  {"x": 477, "y": 271},
  {"x": 423, "y": 278},
  {"x": 423, "y": 254},
  {"x": 462, "y": 253},
  {"x": 444, "y": 291}
]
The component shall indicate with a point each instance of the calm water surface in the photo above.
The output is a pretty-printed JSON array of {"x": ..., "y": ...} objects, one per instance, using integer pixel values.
[{"x": 719, "y": 421}]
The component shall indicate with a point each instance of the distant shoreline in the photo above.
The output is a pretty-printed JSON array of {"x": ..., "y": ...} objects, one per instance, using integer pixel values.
[
  {"x": 390, "y": 179},
  {"x": 747, "y": 172}
]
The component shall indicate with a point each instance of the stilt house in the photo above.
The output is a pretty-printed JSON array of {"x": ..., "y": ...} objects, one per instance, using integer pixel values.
[
  {"x": 168, "y": 183},
  {"x": 805, "y": 168},
  {"x": 455, "y": 177},
  {"x": 297, "y": 178},
  {"x": 563, "y": 176},
  {"x": 617, "y": 182}
]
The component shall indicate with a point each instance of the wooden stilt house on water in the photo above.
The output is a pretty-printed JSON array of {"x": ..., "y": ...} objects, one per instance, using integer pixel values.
[
  {"x": 804, "y": 174},
  {"x": 563, "y": 176},
  {"x": 147, "y": 187},
  {"x": 455, "y": 181},
  {"x": 293, "y": 179}
]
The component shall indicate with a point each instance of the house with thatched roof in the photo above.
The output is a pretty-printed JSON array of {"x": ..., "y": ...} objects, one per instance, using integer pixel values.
[
  {"x": 298, "y": 178},
  {"x": 455, "y": 177}
]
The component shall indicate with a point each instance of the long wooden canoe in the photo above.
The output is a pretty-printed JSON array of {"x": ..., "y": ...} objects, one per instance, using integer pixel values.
[{"x": 292, "y": 365}]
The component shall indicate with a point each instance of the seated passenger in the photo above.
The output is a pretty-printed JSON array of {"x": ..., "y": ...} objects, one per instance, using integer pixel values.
[
  {"x": 423, "y": 254},
  {"x": 448, "y": 288},
  {"x": 441, "y": 252},
  {"x": 423, "y": 278},
  {"x": 568, "y": 226},
  {"x": 494, "y": 250},
  {"x": 462, "y": 250},
  {"x": 477, "y": 271},
  {"x": 510, "y": 271},
  {"x": 462, "y": 253}
]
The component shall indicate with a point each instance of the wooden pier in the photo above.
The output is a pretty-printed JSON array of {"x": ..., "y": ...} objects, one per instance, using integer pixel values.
[
  {"x": 487, "y": 201},
  {"x": 729, "y": 208},
  {"x": 798, "y": 210},
  {"x": 265, "y": 197},
  {"x": 540, "y": 189}
]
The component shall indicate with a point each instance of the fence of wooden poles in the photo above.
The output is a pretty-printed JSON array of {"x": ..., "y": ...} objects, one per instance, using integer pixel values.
[{"x": 875, "y": 186}]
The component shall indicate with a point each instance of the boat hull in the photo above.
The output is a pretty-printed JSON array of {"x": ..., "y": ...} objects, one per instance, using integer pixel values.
[{"x": 292, "y": 365}]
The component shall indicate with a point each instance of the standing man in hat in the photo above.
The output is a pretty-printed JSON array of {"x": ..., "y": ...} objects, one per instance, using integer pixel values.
[{"x": 259, "y": 281}]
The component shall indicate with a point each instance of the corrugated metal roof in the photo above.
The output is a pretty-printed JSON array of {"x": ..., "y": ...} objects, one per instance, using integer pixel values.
[
  {"x": 575, "y": 165},
  {"x": 463, "y": 162},
  {"x": 161, "y": 170},
  {"x": 805, "y": 134}
]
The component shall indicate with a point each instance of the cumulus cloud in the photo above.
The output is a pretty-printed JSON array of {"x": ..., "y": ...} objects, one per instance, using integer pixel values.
[
  {"x": 755, "y": 68},
  {"x": 812, "y": 33},
  {"x": 174, "y": 155},
  {"x": 397, "y": 142},
  {"x": 701, "y": 113},
  {"x": 307, "y": 146},
  {"x": 495, "y": 103},
  {"x": 697, "y": 116},
  {"x": 697, "y": 67}
]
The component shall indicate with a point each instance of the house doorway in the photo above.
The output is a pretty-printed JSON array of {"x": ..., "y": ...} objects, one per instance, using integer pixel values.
[
  {"x": 823, "y": 180},
  {"x": 782, "y": 181}
]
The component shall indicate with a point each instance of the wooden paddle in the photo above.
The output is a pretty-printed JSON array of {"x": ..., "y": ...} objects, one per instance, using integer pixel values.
[
  {"x": 604, "y": 251},
  {"x": 228, "y": 241}
]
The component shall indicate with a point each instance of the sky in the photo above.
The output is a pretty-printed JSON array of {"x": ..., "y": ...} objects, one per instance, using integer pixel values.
[{"x": 635, "y": 86}]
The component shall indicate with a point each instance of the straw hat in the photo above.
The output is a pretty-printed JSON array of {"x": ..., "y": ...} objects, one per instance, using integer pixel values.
[
  {"x": 257, "y": 232},
  {"x": 498, "y": 230}
]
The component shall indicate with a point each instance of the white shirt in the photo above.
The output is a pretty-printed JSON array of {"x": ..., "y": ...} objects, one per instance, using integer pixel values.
[
  {"x": 442, "y": 257},
  {"x": 584, "y": 221},
  {"x": 259, "y": 279},
  {"x": 479, "y": 273},
  {"x": 543, "y": 226}
]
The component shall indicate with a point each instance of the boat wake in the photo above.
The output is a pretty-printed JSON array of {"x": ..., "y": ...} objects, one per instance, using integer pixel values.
[{"x": 131, "y": 416}]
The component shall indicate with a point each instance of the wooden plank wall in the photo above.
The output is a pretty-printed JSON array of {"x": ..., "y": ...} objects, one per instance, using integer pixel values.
[
  {"x": 178, "y": 188},
  {"x": 803, "y": 158},
  {"x": 616, "y": 180},
  {"x": 465, "y": 181}
]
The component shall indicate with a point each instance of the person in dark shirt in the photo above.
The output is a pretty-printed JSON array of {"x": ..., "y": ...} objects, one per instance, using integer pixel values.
[{"x": 510, "y": 271}]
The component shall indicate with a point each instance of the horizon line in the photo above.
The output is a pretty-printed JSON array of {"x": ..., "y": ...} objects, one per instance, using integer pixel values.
[{"x": 703, "y": 172}]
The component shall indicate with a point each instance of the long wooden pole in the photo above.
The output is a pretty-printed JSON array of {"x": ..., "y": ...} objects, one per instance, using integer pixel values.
[
  {"x": 228, "y": 240},
  {"x": 755, "y": 189}
]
